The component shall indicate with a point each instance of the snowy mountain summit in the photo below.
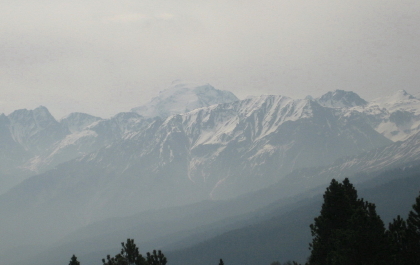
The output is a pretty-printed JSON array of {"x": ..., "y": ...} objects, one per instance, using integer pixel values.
[
  {"x": 401, "y": 100},
  {"x": 183, "y": 97},
  {"x": 397, "y": 116},
  {"x": 341, "y": 99}
]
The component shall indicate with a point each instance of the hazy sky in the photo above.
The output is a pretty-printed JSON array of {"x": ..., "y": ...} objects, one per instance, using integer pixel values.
[{"x": 108, "y": 56}]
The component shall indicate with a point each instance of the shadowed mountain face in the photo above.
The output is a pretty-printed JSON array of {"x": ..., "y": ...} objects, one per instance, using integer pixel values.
[{"x": 341, "y": 99}]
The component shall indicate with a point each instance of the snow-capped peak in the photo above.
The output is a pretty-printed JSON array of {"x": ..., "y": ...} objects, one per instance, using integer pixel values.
[
  {"x": 183, "y": 97},
  {"x": 400, "y": 96},
  {"x": 341, "y": 99},
  {"x": 401, "y": 100}
]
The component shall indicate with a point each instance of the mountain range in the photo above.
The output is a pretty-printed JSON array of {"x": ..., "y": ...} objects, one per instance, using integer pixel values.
[{"x": 188, "y": 145}]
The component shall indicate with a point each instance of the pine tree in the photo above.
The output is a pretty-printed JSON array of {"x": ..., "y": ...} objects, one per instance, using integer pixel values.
[
  {"x": 397, "y": 234},
  {"x": 369, "y": 242},
  {"x": 129, "y": 255},
  {"x": 221, "y": 262},
  {"x": 156, "y": 258},
  {"x": 73, "y": 260},
  {"x": 335, "y": 213},
  {"x": 413, "y": 233},
  {"x": 348, "y": 230}
]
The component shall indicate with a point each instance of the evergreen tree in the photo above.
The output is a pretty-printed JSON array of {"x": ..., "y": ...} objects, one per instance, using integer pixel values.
[
  {"x": 221, "y": 262},
  {"x": 129, "y": 255},
  {"x": 414, "y": 218},
  {"x": 413, "y": 233},
  {"x": 74, "y": 261},
  {"x": 397, "y": 233},
  {"x": 156, "y": 259},
  {"x": 348, "y": 230},
  {"x": 335, "y": 213},
  {"x": 112, "y": 260},
  {"x": 405, "y": 237}
]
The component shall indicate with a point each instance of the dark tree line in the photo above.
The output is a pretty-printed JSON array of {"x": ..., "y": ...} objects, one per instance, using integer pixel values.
[
  {"x": 130, "y": 255},
  {"x": 286, "y": 263}
]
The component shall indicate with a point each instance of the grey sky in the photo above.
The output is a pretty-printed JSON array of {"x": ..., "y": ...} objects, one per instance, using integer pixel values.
[{"x": 103, "y": 57}]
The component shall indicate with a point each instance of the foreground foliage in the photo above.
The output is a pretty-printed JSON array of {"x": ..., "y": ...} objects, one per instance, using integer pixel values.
[
  {"x": 156, "y": 258},
  {"x": 130, "y": 255},
  {"x": 74, "y": 261},
  {"x": 348, "y": 230},
  {"x": 405, "y": 237}
]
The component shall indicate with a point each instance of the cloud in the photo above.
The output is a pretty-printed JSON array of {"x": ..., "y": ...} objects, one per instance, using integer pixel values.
[
  {"x": 114, "y": 55},
  {"x": 125, "y": 18},
  {"x": 165, "y": 16},
  {"x": 134, "y": 17}
]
